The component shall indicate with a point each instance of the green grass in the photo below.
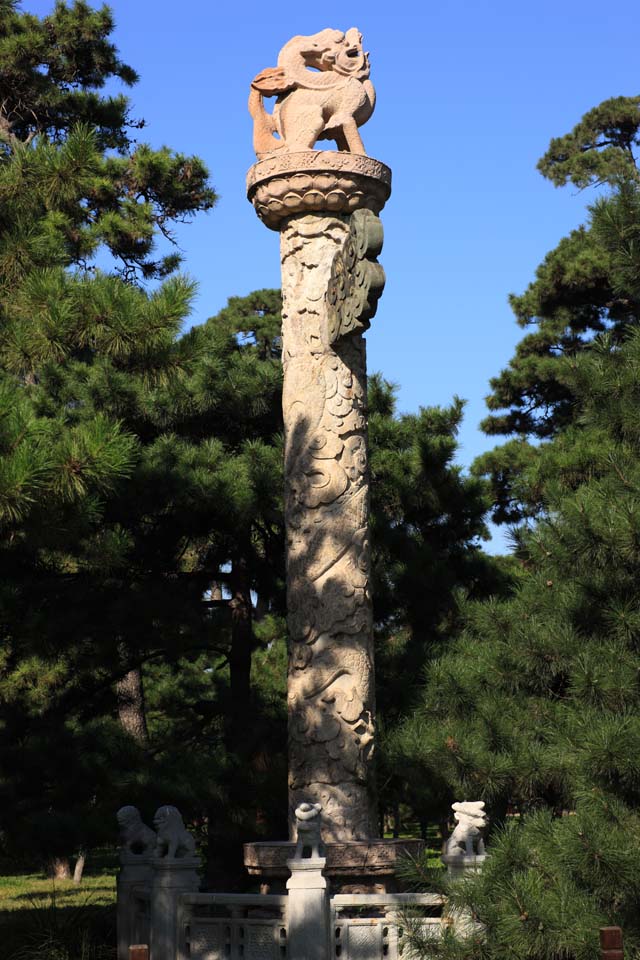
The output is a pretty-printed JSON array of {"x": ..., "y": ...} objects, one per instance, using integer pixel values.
[{"x": 57, "y": 920}]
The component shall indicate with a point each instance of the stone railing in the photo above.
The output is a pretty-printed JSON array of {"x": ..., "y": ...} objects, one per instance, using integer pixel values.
[
  {"x": 375, "y": 926},
  {"x": 231, "y": 926},
  {"x": 159, "y": 904}
]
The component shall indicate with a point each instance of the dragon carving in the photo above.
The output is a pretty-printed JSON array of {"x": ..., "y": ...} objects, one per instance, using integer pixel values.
[
  {"x": 331, "y": 283},
  {"x": 323, "y": 93}
]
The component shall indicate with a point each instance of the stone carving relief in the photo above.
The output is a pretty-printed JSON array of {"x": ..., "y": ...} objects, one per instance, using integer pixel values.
[
  {"x": 357, "y": 280},
  {"x": 331, "y": 683},
  {"x": 174, "y": 840},
  {"x": 135, "y": 838},
  {"x": 323, "y": 93},
  {"x": 466, "y": 838}
]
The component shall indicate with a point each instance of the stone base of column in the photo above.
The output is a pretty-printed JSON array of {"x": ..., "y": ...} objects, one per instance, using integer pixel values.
[
  {"x": 312, "y": 181},
  {"x": 357, "y": 866}
]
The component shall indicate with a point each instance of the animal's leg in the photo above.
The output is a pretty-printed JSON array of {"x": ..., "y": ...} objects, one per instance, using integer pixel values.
[
  {"x": 480, "y": 847},
  {"x": 341, "y": 141},
  {"x": 351, "y": 135},
  {"x": 468, "y": 846}
]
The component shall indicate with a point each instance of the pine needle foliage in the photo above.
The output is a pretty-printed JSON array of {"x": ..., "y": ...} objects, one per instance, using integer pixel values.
[
  {"x": 536, "y": 707},
  {"x": 578, "y": 293}
]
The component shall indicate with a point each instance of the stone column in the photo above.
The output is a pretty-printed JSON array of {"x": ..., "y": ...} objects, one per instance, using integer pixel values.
[{"x": 324, "y": 204}]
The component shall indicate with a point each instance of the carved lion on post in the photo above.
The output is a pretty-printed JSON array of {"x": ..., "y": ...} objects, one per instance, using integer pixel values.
[
  {"x": 323, "y": 90},
  {"x": 174, "y": 840},
  {"x": 467, "y": 837},
  {"x": 308, "y": 829},
  {"x": 136, "y": 839}
]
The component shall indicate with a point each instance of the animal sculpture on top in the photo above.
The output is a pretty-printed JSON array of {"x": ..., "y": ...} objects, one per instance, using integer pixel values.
[
  {"x": 466, "y": 839},
  {"x": 136, "y": 839},
  {"x": 323, "y": 93},
  {"x": 174, "y": 840},
  {"x": 308, "y": 823}
]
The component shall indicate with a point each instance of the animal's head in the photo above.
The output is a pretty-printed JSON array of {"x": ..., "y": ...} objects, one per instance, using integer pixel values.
[
  {"x": 330, "y": 50},
  {"x": 128, "y": 816},
  {"x": 308, "y": 811},
  {"x": 471, "y": 812},
  {"x": 167, "y": 817}
]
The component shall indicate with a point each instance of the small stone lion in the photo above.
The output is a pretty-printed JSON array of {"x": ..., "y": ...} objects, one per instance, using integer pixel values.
[
  {"x": 174, "y": 840},
  {"x": 467, "y": 837},
  {"x": 136, "y": 838},
  {"x": 308, "y": 828}
]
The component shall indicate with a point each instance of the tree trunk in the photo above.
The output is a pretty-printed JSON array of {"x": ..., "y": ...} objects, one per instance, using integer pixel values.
[
  {"x": 224, "y": 849},
  {"x": 131, "y": 706},
  {"x": 78, "y": 869}
]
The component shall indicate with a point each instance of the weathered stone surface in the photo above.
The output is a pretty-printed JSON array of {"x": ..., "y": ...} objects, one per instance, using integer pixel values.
[
  {"x": 323, "y": 93},
  {"x": 325, "y": 206},
  {"x": 316, "y": 181},
  {"x": 331, "y": 682}
]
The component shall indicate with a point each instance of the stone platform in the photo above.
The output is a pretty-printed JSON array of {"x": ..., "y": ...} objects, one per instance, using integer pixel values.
[{"x": 355, "y": 866}]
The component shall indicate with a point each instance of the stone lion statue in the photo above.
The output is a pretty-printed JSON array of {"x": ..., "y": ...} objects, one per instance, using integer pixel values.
[
  {"x": 467, "y": 837},
  {"x": 323, "y": 93},
  {"x": 174, "y": 840},
  {"x": 308, "y": 829},
  {"x": 136, "y": 839}
]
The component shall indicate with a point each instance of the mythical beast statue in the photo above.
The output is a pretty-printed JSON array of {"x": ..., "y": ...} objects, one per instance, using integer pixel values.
[
  {"x": 173, "y": 838},
  {"x": 323, "y": 90},
  {"x": 466, "y": 839},
  {"x": 136, "y": 839}
]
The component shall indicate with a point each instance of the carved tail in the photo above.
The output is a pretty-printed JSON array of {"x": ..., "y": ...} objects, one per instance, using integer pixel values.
[{"x": 264, "y": 141}]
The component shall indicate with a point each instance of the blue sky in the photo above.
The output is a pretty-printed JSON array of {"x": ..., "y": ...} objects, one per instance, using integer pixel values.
[{"x": 469, "y": 95}]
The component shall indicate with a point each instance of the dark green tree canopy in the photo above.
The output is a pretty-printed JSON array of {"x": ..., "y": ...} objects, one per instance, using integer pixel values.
[
  {"x": 574, "y": 297},
  {"x": 600, "y": 149},
  {"x": 51, "y": 70}
]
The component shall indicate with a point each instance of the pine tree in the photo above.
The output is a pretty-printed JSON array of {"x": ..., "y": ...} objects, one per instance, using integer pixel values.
[
  {"x": 536, "y": 707},
  {"x": 80, "y": 352},
  {"x": 427, "y": 526},
  {"x": 571, "y": 300}
]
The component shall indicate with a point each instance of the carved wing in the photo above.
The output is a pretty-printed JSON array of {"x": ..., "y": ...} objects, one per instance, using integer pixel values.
[{"x": 272, "y": 82}]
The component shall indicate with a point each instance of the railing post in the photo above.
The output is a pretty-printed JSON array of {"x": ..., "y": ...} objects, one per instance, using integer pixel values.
[
  {"x": 137, "y": 843},
  {"x": 171, "y": 878},
  {"x": 175, "y": 871},
  {"x": 307, "y": 910},
  {"x": 308, "y": 907},
  {"x": 611, "y": 943},
  {"x": 465, "y": 854},
  {"x": 135, "y": 872}
]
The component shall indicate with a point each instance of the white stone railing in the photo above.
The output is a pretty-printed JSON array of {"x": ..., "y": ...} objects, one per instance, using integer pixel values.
[
  {"x": 159, "y": 905},
  {"x": 224, "y": 926},
  {"x": 227, "y": 926},
  {"x": 375, "y": 925}
]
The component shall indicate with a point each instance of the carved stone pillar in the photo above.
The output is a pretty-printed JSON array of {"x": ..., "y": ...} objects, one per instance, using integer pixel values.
[{"x": 324, "y": 204}]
